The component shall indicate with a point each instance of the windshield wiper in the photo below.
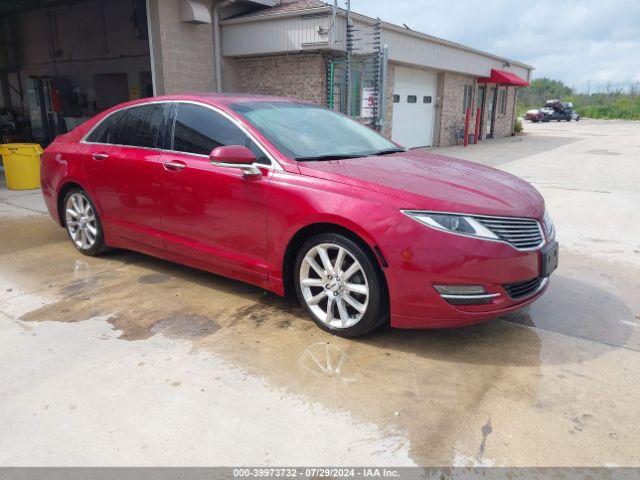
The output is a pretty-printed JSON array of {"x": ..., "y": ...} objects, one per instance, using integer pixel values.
[
  {"x": 387, "y": 151},
  {"x": 330, "y": 156}
]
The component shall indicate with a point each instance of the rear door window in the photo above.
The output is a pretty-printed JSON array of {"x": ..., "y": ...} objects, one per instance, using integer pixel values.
[
  {"x": 102, "y": 133},
  {"x": 137, "y": 126}
]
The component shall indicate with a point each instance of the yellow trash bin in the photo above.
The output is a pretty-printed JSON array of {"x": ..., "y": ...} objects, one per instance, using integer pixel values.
[{"x": 21, "y": 165}]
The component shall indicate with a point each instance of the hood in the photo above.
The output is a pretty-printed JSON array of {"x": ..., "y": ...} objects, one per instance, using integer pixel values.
[{"x": 427, "y": 181}]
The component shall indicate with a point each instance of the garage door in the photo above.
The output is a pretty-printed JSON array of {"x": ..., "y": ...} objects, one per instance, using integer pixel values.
[{"x": 413, "y": 107}]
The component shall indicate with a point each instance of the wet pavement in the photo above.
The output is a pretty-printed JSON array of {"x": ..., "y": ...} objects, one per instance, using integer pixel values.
[{"x": 130, "y": 360}]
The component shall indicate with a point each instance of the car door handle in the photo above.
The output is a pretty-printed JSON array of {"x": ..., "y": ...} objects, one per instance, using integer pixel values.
[
  {"x": 174, "y": 165},
  {"x": 99, "y": 156}
]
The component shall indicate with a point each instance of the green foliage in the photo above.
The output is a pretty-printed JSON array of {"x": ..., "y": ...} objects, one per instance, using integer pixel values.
[
  {"x": 517, "y": 127},
  {"x": 612, "y": 104},
  {"x": 543, "y": 89}
]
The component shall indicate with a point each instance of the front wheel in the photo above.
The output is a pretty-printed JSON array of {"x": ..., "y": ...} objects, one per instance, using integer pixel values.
[
  {"x": 82, "y": 223},
  {"x": 338, "y": 284}
]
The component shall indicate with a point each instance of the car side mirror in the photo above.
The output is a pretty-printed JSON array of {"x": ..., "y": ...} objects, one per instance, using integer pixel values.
[{"x": 235, "y": 156}]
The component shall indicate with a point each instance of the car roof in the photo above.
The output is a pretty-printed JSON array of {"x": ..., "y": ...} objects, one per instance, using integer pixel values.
[{"x": 214, "y": 98}]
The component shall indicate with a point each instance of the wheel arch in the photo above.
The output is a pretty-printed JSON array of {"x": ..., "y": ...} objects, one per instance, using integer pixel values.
[
  {"x": 308, "y": 231},
  {"x": 62, "y": 192}
]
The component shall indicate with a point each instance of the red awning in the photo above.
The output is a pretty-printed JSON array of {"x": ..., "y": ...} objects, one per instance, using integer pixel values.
[{"x": 504, "y": 78}]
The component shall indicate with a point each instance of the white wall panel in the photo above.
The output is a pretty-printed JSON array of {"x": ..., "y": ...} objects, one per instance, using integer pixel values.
[{"x": 291, "y": 34}]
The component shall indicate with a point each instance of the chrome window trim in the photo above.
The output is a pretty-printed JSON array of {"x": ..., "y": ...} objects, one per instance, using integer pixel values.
[
  {"x": 274, "y": 165},
  {"x": 499, "y": 240}
]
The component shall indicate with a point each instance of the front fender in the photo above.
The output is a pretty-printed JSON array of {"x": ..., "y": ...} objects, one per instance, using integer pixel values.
[{"x": 297, "y": 201}]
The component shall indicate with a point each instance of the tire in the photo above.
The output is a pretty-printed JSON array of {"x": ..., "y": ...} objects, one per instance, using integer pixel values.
[
  {"x": 82, "y": 223},
  {"x": 358, "y": 301}
]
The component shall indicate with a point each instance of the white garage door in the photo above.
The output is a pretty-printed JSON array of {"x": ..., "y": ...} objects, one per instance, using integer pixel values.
[{"x": 414, "y": 96}]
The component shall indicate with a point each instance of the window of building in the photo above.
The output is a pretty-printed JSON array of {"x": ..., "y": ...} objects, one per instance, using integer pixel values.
[
  {"x": 412, "y": 98},
  {"x": 502, "y": 101},
  {"x": 468, "y": 98},
  {"x": 396, "y": 98},
  {"x": 200, "y": 130},
  {"x": 426, "y": 99}
]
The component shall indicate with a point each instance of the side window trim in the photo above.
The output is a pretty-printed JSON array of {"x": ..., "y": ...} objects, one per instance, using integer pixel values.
[
  {"x": 164, "y": 139},
  {"x": 172, "y": 116}
]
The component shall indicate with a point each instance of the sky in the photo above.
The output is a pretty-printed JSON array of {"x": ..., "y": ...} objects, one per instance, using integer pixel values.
[{"x": 586, "y": 44}]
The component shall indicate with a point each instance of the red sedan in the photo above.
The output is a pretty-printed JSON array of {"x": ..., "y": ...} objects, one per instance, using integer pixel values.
[{"x": 298, "y": 199}]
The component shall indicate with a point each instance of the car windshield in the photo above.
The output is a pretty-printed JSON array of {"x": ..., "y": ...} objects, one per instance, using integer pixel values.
[{"x": 309, "y": 132}]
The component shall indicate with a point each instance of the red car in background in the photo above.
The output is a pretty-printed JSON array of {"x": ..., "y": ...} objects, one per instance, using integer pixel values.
[{"x": 296, "y": 198}]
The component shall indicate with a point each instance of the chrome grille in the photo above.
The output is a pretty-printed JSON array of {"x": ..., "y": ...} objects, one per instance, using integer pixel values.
[
  {"x": 522, "y": 233},
  {"x": 523, "y": 289}
]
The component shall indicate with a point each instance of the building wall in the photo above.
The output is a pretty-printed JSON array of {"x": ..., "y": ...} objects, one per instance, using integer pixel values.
[
  {"x": 300, "y": 76},
  {"x": 451, "y": 114},
  {"x": 182, "y": 52},
  {"x": 280, "y": 34}
]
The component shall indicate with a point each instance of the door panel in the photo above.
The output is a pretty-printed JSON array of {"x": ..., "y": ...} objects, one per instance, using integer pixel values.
[
  {"x": 122, "y": 178},
  {"x": 123, "y": 186},
  {"x": 414, "y": 111},
  {"x": 214, "y": 215}
]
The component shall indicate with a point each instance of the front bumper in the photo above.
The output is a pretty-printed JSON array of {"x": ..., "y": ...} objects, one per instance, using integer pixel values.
[{"x": 439, "y": 258}]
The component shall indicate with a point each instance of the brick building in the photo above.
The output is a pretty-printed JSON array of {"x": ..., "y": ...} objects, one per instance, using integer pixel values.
[{"x": 102, "y": 54}]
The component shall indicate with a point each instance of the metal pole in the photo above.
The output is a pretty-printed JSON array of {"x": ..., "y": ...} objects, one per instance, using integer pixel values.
[
  {"x": 477, "y": 129},
  {"x": 349, "y": 50},
  {"x": 384, "y": 65},
  {"x": 331, "y": 82}
]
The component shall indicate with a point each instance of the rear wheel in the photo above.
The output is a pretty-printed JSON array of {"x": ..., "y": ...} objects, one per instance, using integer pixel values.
[
  {"x": 82, "y": 223},
  {"x": 338, "y": 284}
]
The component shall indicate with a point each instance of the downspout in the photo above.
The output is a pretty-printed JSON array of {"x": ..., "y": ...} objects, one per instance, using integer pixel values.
[{"x": 217, "y": 51}]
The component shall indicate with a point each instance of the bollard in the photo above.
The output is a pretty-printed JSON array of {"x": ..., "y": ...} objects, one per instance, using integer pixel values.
[{"x": 466, "y": 126}]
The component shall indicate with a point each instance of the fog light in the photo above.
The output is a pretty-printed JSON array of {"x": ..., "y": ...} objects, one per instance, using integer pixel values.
[
  {"x": 465, "y": 294},
  {"x": 460, "y": 289}
]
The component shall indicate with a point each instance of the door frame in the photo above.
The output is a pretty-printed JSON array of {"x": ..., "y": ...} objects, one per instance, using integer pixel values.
[
  {"x": 482, "y": 88},
  {"x": 494, "y": 100}
]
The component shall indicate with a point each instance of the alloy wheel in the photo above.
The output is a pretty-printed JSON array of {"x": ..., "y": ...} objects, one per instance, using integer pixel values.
[
  {"x": 334, "y": 285},
  {"x": 81, "y": 221}
]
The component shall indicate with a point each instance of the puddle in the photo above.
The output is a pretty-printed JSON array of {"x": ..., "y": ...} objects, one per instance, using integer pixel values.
[
  {"x": 185, "y": 326},
  {"x": 153, "y": 278}
]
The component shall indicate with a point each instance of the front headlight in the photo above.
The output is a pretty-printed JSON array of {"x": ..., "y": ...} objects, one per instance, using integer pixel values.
[
  {"x": 452, "y": 223},
  {"x": 549, "y": 227}
]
